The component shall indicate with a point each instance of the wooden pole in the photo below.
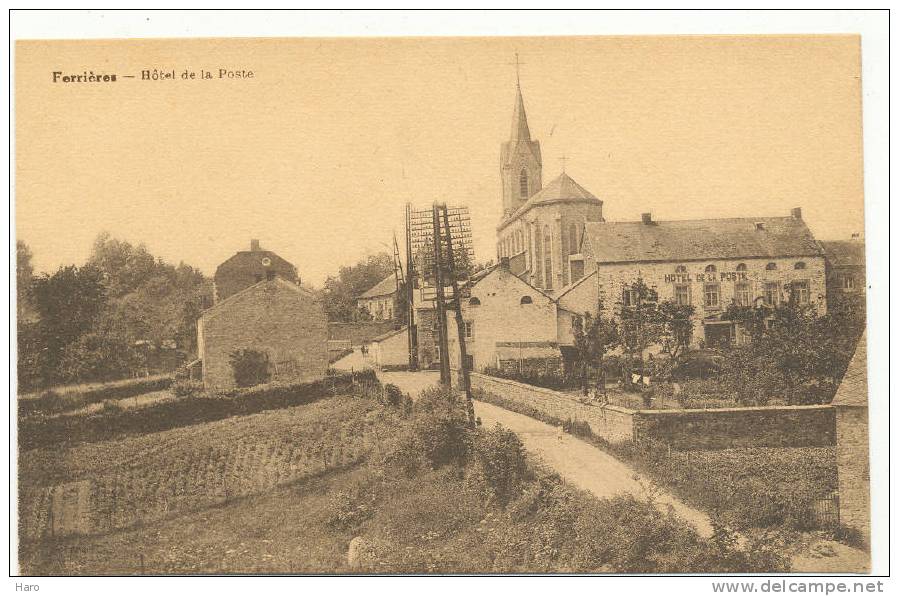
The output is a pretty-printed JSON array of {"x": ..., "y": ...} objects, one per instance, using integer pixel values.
[
  {"x": 460, "y": 324},
  {"x": 411, "y": 329},
  {"x": 440, "y": 301}
]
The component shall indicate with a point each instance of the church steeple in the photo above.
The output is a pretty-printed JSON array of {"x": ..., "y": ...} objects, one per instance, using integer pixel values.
[
  {"x": 520, "y": 130},
  {"x": 520, "y": 163}
]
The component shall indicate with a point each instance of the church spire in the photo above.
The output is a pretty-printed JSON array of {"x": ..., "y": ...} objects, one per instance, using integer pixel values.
[{"x": 520, "y": 130}]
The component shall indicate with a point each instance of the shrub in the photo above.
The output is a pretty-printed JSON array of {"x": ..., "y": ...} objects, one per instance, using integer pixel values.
[
  {"x": 578, "y": 428},
  {"x": 393, "y": 395},
  {"x": 499, "y": 456},
  {"x": 250, "y": 367},
  {"x": 56, "y": 400},
  {"x": 186, "y": 387}
]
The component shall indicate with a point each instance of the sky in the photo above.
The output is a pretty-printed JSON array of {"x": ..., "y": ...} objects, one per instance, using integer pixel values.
[{"x": 318, "y": 153}]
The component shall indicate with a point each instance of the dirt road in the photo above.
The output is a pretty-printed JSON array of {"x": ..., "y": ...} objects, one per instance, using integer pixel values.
[{"x": 576, "y": 461}]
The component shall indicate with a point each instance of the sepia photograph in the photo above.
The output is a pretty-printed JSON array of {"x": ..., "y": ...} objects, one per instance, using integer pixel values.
[{"x": 463, "y": 304}]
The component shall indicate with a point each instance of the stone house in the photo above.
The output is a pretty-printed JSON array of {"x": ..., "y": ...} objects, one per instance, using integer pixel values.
[
  {"x": 248, "y": 267},
  {"x": 390, "y": 351},
  {"x": 709, "y": 264},
  {"x": 845, "y": 268},
  {"x": 274, "y": 316},
  {"x": 380, "y": 300},
  {"x": 508, "y": 323},
  {"x": 853, "y": 467}
]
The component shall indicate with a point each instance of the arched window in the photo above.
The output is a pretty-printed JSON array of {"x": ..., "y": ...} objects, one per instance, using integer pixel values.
[
  {"x": 573, "y": 244},
  {"x": 771, "y": 267},
  {"x": 741, "y": 267},
  {"x": 473, "y": 301},
  {"x": 547, "y": 258},
  {"x": 523, "y": 183},
  {"x": 527, "y": 300},
  {"x": 711, "y": 269},
  {"x": 681, "y": 269},
  {"x": 799, "y": 265}
]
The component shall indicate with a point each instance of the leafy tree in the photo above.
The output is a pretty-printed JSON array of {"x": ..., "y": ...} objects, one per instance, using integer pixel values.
[
  {"x": 340, "y": 292},
  {"x": 593, "y": 338},
  {"x": 642, "y": 324},
  {"x": 677, "y": 330},
  {"x": 24, "y": 276}
]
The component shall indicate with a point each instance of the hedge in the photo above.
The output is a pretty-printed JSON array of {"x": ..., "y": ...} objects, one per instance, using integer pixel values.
[
  {"x": 44, "y": 431},
  {"x": 70, "y": 399}
]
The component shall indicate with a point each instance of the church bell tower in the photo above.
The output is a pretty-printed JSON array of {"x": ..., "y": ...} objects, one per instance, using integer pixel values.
[{"x": 521, "y": 164}]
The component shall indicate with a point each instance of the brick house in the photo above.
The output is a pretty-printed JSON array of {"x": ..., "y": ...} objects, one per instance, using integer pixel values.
[
  {"x": 853, "y": 472},
  {"x": 274, "y": 316},
  {"x": 709, "y": 264},
  {"x": 248, "y": 267}
]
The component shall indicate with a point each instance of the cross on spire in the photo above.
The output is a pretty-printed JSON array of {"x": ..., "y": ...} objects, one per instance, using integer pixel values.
[{"x": 517, "y": 66}]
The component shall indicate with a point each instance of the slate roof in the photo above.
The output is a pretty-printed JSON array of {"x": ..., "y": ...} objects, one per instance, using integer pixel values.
[
  {"x": 385, "y": 287},
  {"x": 563, "y": 188},
  {"x": 273, "y": 283},
  {"x": 388, "y": 335},
  {"x": 844, "y": 253},
  {"x": 853, "y": 389},
  {"x": 701, "y": 239}
]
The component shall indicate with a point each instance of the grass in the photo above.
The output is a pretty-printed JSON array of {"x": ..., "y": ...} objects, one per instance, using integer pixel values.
[{"x": 411, "y": 486}]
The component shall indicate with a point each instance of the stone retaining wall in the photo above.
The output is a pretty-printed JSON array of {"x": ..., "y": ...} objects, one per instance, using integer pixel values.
[{"x": 683, "y": 430}]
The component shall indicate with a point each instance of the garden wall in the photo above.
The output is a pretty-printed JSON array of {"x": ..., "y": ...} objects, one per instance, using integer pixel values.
[
  {"x": 682, "y": 430},
  {"x": 612, "y": 423}
]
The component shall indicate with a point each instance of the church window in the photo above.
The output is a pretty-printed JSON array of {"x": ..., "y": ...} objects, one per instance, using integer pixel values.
[
  {"x": 538, "y": 259},
  {"x": 526, "y": 300},
  {"x": 548, "y": 258},
  {"x": 573, "y": 244},
  {"x": 523, "y": 183}
]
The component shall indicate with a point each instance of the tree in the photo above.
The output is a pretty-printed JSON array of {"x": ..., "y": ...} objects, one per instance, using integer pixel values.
[
  {"x": 677, "y": 320},
  {"x": 642, "y": 323},
  {"x": 593, "y": 338},
  {"x": 340, "y": 292},
  {"x": 794, "y": 353},
  {"x": 24, "y": 276}
]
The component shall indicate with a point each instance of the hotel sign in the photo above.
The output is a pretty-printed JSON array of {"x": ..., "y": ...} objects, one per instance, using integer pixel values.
[{"x": 685, "y": 278}]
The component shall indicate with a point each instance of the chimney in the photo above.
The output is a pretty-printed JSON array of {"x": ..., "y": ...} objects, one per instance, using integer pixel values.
[
  {"x": 254, "y": 245},
  {"x": 647, "y": 218},
  {"x": 796, "y": 212}
]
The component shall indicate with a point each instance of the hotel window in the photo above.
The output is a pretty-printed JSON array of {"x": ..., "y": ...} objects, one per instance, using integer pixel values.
[
  {"x": 799, "y": 292},
  {"x": 743, "y": 294},
  {"x": 712, "y": 296},
  {"x": 741, "y": 267},
  {"x": 526, "y": 300},
  {"x": 469, "y": 330},
  {"x": 771, "y": 267},
  {"x": 799, "y": 265},
  {"x": 682, "y": 295},
  {"x": 848, "y": 282},
  {"x": 772, "y": 294},
  {"x": 629, "y": 298},
  {"x": 681, "y": 269},
  {"x": 711, "y": 269}
]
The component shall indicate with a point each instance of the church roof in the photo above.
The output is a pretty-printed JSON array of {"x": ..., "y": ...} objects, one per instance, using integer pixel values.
[
  {"x": 853, "y": 389},
  {"x": 562, "y": 189},
  {"x": 701, "y": 239},
  {"x": 385, "y": 287},
  {"x": 520, "y": 130}
]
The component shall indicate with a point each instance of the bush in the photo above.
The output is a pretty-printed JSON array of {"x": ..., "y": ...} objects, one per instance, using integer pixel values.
[
  {"x": 578, "y": 428},
  {"x": 500, "y": 461},
  {"x": 250, "y": 367},
  {"x": 186, "y": 387}
]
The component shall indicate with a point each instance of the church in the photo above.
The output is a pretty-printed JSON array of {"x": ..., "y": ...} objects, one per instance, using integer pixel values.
[{"x": 542, "y": 226}]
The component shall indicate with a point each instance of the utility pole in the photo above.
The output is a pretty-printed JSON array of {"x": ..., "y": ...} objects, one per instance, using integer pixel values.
[
  {"x": 411, "y": 328},
  {"x": 440, "y": 301},
  {"x": 460, "y": 324}
]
